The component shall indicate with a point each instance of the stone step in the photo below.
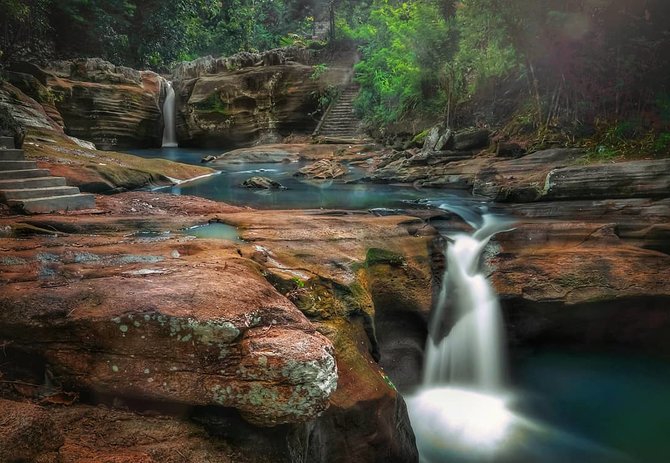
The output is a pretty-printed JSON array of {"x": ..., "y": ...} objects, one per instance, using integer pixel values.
[
  {"x": 352, "y": 127},
  {"x": 29, "y": 193},
  {"x": 17, "y": 165},
  {"x": 340, "y": 123},
  {"x": 37, "y": 182},
  {"x": 11, "y": 155},
  {"x": 25, "y": 173},
  {"x": 6, "y": 142},
  {"x": 54, "y": 203}
]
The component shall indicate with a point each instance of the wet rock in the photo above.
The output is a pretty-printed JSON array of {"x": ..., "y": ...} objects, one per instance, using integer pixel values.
[
  {"x": 26, "y": 432},
  {"x": 579, "y": 284},
  {"x": 262, "y": 183},
  {"x": 317, "y": 259},
  {"x": 471, "y": 139},
  {"x": 205, "y": 329},
  {"x": 367, "y": 420},
  {"x": 324, "y": 169},
  {"x": 207, "y": 159}
]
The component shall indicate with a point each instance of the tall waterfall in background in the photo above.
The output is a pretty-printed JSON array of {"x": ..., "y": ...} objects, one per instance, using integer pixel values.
[{"x": 169, "y": 119}]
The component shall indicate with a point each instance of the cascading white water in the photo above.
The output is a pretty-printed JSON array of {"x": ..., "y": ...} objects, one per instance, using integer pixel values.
[
  {"x": 460, "y": 410},
  {"x": 473, "y": 352},
  {"x": 169, "y": 120},
  {"x": 461, "y": 413}
]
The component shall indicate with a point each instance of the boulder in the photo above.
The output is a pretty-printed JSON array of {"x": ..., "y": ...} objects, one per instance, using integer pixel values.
[
  {"x": 437, "y": 139},
  {"x": 324, "y": 169},
  {"x": 471, "y": 139},
  {"x": 194, "y": 324},
  {"x": 262, "y": 183},
  {"x": 329, "y": 254}
]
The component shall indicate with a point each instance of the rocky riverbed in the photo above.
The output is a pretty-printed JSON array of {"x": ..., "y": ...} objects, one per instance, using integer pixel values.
[{"x": 126, "y": 338}]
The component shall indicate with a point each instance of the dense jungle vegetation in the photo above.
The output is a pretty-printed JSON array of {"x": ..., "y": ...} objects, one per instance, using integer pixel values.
[{"x": 557, "y": 69}]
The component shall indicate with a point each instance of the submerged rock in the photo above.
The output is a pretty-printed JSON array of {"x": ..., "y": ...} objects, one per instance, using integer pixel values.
[{"x": 262, "y": 183}]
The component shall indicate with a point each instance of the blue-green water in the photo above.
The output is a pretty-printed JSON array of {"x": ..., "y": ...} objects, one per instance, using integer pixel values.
[
  {"x": 590, "y": 408},
  {"x": 620, "y": 402},
  {"x": 299, "y": 194}
]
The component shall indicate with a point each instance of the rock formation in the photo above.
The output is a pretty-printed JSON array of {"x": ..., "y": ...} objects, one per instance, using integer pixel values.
[
  {"x": 216, "y": 331},
  {"x": 324, "y": 169},
  {"x": 111, "y": 106},
  {"x": 78, "y": 161},
  {"x": 249, "y": 97}
]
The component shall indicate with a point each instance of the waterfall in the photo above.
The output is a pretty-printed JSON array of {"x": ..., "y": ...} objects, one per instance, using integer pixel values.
[
  {"x": 460, "y": 412},
  {"x": 464, "y": 411},
  {"x": 169, "y": 120},
  {"x": 473, "y": 352}
]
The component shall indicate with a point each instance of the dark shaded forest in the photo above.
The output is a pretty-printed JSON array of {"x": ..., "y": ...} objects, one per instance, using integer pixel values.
[{"x": 552, "y": 70}]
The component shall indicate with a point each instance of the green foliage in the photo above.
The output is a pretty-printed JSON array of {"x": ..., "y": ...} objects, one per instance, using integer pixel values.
[
  {"x": 298, "y": 283},
  {"x": 318, "y": 70},
  {"x": 152, "y": 33},
  {"x": 24, "y": 26},
  {"x": 324, "y": 98},
  {"x": 403, "y": 48}
]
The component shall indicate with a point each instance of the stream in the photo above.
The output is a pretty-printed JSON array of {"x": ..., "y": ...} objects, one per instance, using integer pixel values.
[{"x": 556, "y": 406}]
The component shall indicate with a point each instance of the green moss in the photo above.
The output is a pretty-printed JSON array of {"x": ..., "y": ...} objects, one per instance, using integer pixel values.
[
  {"x": 213, "y": 104},
  {"x": 420, "y": 138},
  {"x": 377, "y": 256}
]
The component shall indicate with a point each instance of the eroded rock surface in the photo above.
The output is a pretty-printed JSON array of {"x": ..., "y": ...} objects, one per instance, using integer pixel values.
[
  {"x": 192, "y": 324},
  {"x": 112, "y": 106},
  {"x": 83, "y": 166},
  {"x": 250, "y": 98},
  {"x": 259, "y": 326},
  {"x": 322, "y": 170}
]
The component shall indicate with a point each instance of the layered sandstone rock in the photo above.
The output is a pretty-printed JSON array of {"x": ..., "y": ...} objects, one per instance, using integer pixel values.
[
  {"x": 248, "y": 98},
  {"x": 192, "y": 324},
  {"x": 80, "y": 163},
  {"x": 111, "y": 106}
]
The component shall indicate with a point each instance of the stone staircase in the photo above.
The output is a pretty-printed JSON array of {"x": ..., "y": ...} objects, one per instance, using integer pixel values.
[
  {"x": 34, "y": 191},
  {"x": 340, "y": 121}
]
